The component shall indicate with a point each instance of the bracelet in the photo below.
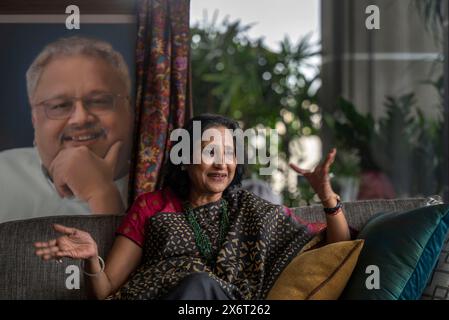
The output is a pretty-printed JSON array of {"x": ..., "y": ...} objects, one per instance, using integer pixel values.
[
  {"x": 333, "y": 211},
  {"x": 94, "y": 274}
]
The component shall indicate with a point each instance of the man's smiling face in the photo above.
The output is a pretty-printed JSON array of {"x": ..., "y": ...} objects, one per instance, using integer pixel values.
[{"x": 84, "y": 77}]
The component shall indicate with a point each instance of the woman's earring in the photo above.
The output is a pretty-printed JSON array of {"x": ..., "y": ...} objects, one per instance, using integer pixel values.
[{"x": 34, "y": 143}]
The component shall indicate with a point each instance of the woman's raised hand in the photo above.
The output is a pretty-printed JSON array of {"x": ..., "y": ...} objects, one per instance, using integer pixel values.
[
  {"x": 76, "y": 244},
  {"x": 319, "y": 178}
]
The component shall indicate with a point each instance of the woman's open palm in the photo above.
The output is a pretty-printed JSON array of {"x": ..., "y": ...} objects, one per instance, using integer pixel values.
[
  {"x": 319, "y": 178},
  {"x": 76, "y": 244}
]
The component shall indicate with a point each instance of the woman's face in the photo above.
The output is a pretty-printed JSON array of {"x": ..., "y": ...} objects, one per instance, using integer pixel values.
[{"x": 217, "y": 167}]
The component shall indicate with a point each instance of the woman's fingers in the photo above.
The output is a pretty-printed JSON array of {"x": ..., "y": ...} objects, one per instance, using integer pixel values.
[
  {"x": 63, "y": 229},
  {"x": 324, "y": 167},
  {"x": 50, "y": 257},
  {"x": 40, "y": 253},
  {"x": 52, "y": 249},
  {"x": 61, "y": 254},
  {"x": 53, "y": 254},
  {"x": 298, "y": 169},
  {"x": 329, "y": 159},
  {"x": 43, "y": 244},
  {"x": 47, "y": 251}
]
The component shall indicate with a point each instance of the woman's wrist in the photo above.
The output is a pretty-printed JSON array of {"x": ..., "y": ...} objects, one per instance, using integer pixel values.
[
  {"x": 94, "y": 256},
  {"x": 93, "y": 266},
  {"x": 330, "y": 201},
  {"x": 332, "y": 205},
  {"x": 92, "y": 260}
]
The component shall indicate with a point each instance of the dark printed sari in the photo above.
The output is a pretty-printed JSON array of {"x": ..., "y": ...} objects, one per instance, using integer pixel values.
[{"x": 261, "y": 241}]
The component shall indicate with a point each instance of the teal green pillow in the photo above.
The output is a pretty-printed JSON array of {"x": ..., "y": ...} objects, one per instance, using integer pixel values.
[{"x": 405, "y": 248}]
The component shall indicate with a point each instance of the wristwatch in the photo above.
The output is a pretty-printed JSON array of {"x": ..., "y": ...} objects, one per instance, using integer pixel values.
[{"x": 334, "y": 210}]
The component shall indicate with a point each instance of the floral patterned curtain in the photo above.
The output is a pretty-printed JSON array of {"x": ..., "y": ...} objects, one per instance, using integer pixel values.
[{"x": 163, "y": 87}]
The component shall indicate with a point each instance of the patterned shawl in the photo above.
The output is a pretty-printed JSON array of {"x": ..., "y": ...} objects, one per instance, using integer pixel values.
[{"x": 261, "y": 241}]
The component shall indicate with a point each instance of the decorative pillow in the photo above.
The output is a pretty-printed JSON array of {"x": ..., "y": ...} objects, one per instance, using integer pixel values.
[
  {"x": 318, "y": 274},
  {"x": 438, "y": 286},
  {"x": 401, "y": 250}
]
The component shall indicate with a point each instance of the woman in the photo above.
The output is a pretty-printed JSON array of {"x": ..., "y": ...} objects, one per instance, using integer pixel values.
[{"x": 200, "y": 237}]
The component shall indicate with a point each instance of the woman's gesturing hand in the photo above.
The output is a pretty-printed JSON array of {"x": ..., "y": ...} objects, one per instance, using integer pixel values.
[
  {"x": 74, "y": 244},
  {"x": 319, "y": 178}
]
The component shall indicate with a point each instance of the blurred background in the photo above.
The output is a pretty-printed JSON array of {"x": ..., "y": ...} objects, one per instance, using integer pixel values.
[
  {"x": 312, "y": 70},
  {"x": 308, "y": 68}
]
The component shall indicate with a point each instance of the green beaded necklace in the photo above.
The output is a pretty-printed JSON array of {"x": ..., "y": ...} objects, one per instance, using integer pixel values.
[{"x": 202, "y": 241}]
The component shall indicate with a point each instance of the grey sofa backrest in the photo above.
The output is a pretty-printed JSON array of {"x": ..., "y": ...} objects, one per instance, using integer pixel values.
[
  {"x": 358, "y": 212},
  {"x": 25, "y": 276}
]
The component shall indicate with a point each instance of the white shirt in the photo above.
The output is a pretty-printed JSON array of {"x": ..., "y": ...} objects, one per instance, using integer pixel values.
[{"x": 27, "y": 192}]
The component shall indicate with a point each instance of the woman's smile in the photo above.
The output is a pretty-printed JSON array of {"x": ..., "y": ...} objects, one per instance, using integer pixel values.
[{"x": 219, "y": 177}]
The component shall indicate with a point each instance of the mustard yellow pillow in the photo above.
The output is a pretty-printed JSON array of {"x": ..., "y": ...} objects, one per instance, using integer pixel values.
[{"x": 319, "y": 274}]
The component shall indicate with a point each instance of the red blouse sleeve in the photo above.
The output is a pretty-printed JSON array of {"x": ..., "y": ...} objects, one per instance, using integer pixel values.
[
  {"x": 312, "y": 227},
  {"x": 133, "y": 224},
  {"x": 144, "y": 207}
]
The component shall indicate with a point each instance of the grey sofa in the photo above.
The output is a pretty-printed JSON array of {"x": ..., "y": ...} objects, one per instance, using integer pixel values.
[{"x": 25, "y": 276}]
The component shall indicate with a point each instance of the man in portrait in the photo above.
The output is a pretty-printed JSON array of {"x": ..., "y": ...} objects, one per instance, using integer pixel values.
[{"x": 79, "y": 93}]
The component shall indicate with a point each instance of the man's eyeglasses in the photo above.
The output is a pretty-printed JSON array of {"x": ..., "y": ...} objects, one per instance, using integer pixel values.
[{"x": 63, "y": 108}]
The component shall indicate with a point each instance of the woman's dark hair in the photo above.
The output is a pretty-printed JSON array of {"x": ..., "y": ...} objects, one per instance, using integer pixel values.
[{"x": 177, "y": 179}]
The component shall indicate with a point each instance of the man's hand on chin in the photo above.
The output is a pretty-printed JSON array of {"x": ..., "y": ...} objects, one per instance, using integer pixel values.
[{"x": 80, "y": 172}]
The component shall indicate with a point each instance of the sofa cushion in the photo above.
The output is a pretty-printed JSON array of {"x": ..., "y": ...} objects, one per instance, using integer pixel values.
[
  {"x": 401, "y": 250},
  {"x": 438, "y": 286},
  {"x": 23, "y": 275},
  {"x": 318, "y": 274}
]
